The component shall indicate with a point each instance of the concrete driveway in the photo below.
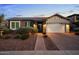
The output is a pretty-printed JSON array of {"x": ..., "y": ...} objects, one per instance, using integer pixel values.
[{"x": 65, "y": 41}]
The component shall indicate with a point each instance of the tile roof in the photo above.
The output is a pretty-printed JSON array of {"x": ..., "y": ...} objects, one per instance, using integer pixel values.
[
  {"x": 58, "y": 15},
  {"x": 73, "y": 15},
  {"x": 28, "y": 18}
]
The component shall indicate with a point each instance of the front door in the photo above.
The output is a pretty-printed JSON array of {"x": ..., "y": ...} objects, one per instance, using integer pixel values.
[{"x": 40, "y": 27}]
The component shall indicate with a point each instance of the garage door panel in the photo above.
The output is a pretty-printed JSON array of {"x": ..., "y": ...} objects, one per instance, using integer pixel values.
[{"x": 59, "y": 28}]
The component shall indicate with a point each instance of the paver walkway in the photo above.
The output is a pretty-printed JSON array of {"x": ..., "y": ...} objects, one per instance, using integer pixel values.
[{"x": 40, "y": 45}]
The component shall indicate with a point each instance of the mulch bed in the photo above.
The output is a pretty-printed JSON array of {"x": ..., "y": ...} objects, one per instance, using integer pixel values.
[
  {"x": 18, "y": 44},
  {"x": 49, "y": 44}
]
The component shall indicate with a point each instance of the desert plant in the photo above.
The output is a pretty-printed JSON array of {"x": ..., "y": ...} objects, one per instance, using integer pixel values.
[
  {"x": 17, "y": 36},
  {"x": 22, "y": 36},
  {"x": 23, "y": 33},
  {"x": 24, "y": 30},
  {"x": 5, "y": 37},
  {"x": 7, "y": 31}
]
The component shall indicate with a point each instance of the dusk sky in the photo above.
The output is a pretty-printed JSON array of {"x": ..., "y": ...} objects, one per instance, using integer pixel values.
[{"x": 35, "y": 10}]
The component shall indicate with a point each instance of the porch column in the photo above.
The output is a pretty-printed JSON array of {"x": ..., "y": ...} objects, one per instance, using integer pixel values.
[
  {"x": 35, "y": 27},
  {"x": 44, "y": 27}
]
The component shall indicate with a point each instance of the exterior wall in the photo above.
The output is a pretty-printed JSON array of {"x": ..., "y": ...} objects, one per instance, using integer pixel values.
[
  {"x": 22, "y": 23},
  {"x": 56, "y": 19},
  {"x": 71, "y": 19},
  {"x": 56, "y": 24}
]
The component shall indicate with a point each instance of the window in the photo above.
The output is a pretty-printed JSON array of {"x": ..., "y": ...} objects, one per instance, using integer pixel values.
[
  {"x": 14, "y": 25},
  {"x": 17, "y": 25},
  {"x": 31, "y": 23},
  {"x": 28, "y": 24},
  {"x": 77, "y": 19}
]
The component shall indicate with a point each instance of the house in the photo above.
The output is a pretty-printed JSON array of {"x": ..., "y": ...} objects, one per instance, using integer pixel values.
[
  {"x": 74, "y": 22},
  {"x": 54, "y": 23},
  {"x": 22, "y": 22}
]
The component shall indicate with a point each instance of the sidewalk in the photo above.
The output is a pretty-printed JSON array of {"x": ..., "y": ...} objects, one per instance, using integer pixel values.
[{"x": 40, "y": 45}]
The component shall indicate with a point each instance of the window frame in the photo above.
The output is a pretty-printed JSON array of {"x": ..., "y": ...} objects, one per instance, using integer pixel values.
[
  {"x": 11, "y": 27},
  {"x": 28, "y": 24}
]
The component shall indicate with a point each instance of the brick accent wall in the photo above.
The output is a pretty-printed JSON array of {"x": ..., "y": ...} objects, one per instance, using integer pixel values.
[{"x": 22, "y": 23}]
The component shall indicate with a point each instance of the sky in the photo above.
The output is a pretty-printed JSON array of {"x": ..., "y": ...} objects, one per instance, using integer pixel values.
[{"x": 37, "y": 10}]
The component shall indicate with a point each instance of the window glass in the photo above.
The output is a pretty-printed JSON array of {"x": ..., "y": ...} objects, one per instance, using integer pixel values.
[
  {"x": 31, "y": 23},
  {"x": 13, "y": 24},
  {"x": 26, "y": 24},
  {"x": 17, "y": 25}
]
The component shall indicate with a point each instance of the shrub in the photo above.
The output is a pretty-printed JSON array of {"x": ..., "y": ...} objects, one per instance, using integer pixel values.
[
  {"x": 23, "y": 33},
  {"x": 5, "y": 37},
  {"x": 24, "y": 30},
  {"x": 22, "y": 36},
  {"x": 1, "y": 37},
  {"x": 17, "y": 36},
  {"x": 7, "y": 31}
]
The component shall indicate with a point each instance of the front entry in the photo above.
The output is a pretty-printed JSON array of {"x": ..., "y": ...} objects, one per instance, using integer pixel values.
[{"x": 40, "y": 27}]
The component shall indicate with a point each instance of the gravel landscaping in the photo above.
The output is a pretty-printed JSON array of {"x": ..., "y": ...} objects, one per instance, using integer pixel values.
[{"x": 18, "y": 44}]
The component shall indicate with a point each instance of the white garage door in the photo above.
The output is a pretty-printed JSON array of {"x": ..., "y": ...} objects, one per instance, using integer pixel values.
[{"x": 56, "y": 28}]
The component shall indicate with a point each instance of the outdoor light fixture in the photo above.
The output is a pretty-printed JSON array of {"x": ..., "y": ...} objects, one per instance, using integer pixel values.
[
  {"x": 67, "y": 27},
  {"x": 44, "y": 28}
]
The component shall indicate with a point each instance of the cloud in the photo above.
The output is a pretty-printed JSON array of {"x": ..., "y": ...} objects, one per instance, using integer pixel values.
[{"x": 77, "y": 6}]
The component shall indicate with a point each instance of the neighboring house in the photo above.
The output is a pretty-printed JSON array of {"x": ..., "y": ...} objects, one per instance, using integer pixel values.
[
  {"x": 55, "y": 23},
  {"x": 74, "y": 22},
  {"x": 4, "y": 24}
]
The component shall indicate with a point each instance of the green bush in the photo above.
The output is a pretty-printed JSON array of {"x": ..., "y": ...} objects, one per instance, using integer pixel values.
[
  {"x": 17, "y": 36},
  {"x": 24, "y": 30},
  {"x": 22, "y": 36},
  {"x": 23, "y": 33},
  {"x": 7, "y": 31}
]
